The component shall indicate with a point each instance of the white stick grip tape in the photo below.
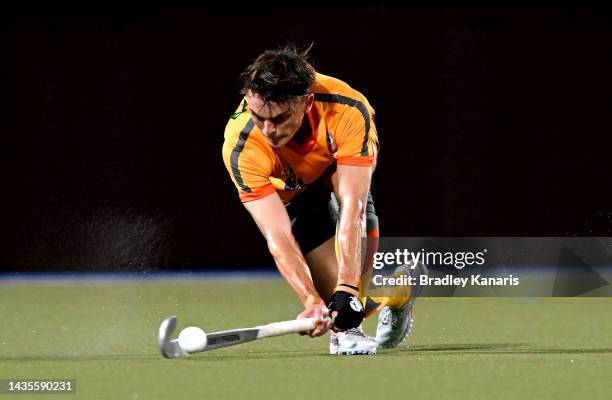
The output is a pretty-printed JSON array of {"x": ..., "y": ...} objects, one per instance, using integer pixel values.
[{"x": 285, "y": 327}]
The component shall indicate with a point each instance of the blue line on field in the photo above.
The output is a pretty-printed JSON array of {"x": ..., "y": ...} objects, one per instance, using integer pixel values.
[{"x": 184, "y": 276}]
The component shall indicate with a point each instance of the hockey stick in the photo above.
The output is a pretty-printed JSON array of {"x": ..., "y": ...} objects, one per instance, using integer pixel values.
[{"x": 170, "y": 348}]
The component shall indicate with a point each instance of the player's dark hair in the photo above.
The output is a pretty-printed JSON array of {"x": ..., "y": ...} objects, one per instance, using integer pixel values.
[{"x": 282, "y": 76}]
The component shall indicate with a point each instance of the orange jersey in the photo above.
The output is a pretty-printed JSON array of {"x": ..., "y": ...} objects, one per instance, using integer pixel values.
[{"x": 343, "y": 132}]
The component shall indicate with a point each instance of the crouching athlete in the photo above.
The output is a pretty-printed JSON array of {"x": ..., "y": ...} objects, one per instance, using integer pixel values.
[{"x": 301, "y": 149}]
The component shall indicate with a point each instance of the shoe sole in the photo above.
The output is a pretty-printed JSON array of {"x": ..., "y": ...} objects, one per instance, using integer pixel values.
[{"x": 355, "y": 353}]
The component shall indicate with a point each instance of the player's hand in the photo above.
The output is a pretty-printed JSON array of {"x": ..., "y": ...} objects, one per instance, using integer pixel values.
[
  {"x": 346, "y": 310},
  {"x": 320, "y": 313}
]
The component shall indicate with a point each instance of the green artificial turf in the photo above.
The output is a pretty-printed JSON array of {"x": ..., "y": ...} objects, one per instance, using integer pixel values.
[{"x": 104, "y": 336}]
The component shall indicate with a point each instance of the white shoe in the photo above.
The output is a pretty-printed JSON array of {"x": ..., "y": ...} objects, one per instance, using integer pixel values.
[
  {"x": 394, "y": 324},
  {"x": 353, "y": 341}
]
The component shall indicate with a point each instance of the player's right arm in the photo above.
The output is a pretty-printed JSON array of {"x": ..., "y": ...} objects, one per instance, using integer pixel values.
[
  {"x": 272, "y": 219},
  {"x": 250, "y": 161}
]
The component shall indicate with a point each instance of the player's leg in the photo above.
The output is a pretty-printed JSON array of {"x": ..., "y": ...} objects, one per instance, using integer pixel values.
[
  {"x": 323, "y": 261},
  {"x": 323, "y": 266},
  {"x": 313, "y": 223},
  {"x": 377, "y": 298},
  {"x": 396, "y": 304},
  {"x": 395, "y": 320},
  {"x": 395, "y": 317},
  {"x": 374, "y": 300},
  {"x": 314, "y": 216}
]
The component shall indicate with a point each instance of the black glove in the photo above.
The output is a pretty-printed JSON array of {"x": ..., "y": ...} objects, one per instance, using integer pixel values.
[{"x": 349, "y": 310}]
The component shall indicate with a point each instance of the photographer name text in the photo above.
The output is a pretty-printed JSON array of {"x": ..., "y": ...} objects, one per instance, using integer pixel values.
[{"x": 447, "y": 280}]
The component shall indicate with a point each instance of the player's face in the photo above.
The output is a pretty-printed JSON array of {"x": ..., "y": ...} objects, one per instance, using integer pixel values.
[{"x": 278, "y": 122}]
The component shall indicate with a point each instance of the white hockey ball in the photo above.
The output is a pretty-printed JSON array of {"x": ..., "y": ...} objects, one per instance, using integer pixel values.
[{"x": 192, "y": 339}]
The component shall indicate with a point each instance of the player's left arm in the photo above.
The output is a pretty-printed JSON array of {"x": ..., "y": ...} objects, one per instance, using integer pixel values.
[
  {"x": 357, "y": 143},
  {"x": 352, "y": 185},
  {"x": 356, "y": 159}
]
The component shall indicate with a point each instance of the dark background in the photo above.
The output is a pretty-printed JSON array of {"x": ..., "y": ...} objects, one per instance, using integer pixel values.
[{"x": 493, "y": 121}]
